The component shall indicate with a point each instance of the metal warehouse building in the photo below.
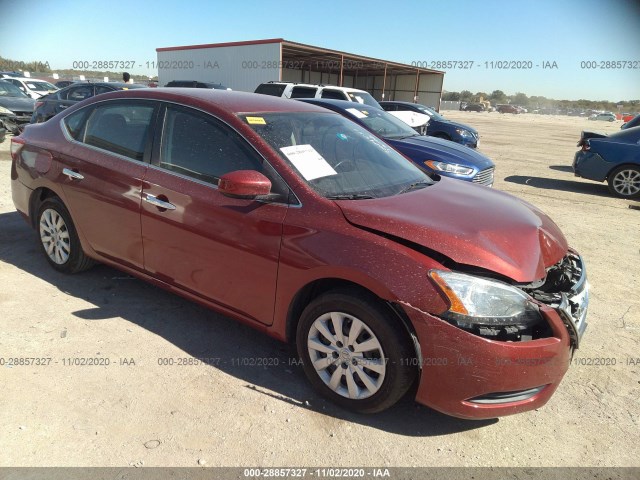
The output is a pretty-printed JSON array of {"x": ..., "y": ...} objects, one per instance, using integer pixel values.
[{"x": 245, "y": 65}]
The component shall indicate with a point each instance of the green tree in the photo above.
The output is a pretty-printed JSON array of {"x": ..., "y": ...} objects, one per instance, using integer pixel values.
[
  {"x": 466, "y": 95},
  {"x": 451, "y": 96},
  {"x": 498, "y": 96}
]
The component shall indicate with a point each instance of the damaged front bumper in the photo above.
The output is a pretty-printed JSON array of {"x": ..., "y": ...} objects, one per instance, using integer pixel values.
[
  {"x": 14, "y": 123},
  {"x": 470, "y": 376}
]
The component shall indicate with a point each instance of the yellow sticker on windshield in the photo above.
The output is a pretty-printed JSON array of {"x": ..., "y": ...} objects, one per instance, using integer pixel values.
[{"x": 256, "y": 121}]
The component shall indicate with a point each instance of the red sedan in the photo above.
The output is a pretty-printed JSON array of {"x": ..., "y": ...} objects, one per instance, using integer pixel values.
[{"x": 300, "y": 223}]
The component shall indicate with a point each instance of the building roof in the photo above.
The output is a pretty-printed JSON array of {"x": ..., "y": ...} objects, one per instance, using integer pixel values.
[{"x": 302, "y": 56}]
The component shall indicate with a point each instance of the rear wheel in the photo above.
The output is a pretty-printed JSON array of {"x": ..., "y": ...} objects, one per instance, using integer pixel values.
[
  {"x": 624, "y": 181},
  {"x": 354, "y": 352},
  {"x": 59, "y": 239}
]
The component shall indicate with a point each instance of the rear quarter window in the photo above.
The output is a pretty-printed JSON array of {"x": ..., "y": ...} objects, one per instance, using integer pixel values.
[{"x": 271, "y": 89}]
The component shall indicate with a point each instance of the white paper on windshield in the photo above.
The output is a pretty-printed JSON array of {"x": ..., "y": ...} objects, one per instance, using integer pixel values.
[
  {"x": 308, "y": 161},
  {"x": 356, "y": 113}
]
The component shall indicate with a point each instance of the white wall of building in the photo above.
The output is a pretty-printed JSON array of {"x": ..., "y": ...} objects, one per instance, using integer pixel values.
[{"x": 240, "y": 67}]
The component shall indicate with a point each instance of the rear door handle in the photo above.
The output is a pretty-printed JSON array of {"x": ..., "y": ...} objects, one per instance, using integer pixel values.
[
  {"x": 71, "y": 174},
  {"x": 153, "y": 200}
]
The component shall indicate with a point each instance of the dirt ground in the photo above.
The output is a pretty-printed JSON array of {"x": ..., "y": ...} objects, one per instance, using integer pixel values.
[{"x": 137, "y": 412}]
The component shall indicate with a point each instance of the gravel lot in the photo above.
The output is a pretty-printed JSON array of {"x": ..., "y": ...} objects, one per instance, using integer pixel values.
[{"x": 137, "y": 412}]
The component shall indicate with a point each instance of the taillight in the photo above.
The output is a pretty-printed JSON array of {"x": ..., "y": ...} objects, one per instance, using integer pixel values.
[
  {"x": 38, "y": 104},
  {"x": 16, "y": 145},
  {"x": 585, "y": 146}
]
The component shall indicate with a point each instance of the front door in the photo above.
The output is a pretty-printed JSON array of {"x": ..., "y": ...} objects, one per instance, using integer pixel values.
[{"x": 223, "y": 249}]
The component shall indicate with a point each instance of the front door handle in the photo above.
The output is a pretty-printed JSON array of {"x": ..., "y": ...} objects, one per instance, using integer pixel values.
[
  {"x": 71, "y": 174},
  {"x": 153, "y": 200}
]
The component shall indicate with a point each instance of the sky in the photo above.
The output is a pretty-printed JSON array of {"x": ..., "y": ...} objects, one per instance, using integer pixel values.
[{"x": 533, "y": 32}]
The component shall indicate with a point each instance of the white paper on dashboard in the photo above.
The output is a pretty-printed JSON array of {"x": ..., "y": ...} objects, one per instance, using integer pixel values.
[
  {"x": 356, "y": 113},
  {"x": 308, "y": 161}
]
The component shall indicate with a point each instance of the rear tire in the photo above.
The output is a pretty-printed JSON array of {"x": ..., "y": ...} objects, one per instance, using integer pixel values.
[
  {"x": 354, "y": 352},
  {"x": 59, "y": 239},
  {"x": 624, "y": 182}
]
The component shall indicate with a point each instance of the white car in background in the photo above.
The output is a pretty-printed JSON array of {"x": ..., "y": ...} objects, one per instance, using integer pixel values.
[
  {"x": 605, "y": 117},
  {"x": 32, "y": 87},
  {"x": 417, "y": 121}
]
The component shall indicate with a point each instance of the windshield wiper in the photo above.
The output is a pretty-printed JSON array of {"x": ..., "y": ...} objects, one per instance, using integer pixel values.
[
  {"x": 414, "y": 186},
  {"x": 406, "y": 136},
  {"x": 350, "y": 196}
]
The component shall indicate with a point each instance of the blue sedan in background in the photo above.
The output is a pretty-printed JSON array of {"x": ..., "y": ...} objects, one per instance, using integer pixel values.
[
  {"x": 431, "y": 154},
  {"x": 614, "y": 158},
  {"x": 438, "y": 126}
]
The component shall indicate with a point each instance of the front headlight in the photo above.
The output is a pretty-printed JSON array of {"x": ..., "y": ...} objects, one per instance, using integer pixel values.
[
  {"x": 6, "y": 111},
  {"x": 449, "y": 167},
  {"x": 476, "y": 301},
  {"x": 464, "y": 133}
]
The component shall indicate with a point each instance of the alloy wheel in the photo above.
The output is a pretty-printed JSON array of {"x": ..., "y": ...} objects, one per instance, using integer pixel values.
[
  {"x": 54, "y": 236},
  {"x": 346, "y": 355},
  {"x": 627, "y": 182}
]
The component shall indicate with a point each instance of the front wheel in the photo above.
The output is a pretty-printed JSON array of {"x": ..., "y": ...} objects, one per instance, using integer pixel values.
[
  {"x": 354, "y": 352},
  {"x": 624, "y": 181},
  {"x": 59, "y": 239}
]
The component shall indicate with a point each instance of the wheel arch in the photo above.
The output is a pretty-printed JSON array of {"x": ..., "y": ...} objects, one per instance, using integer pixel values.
[
  {"x": 317, "y": 287},
  {"x": 620, "y": 165},
  {"x": 38, "y": 196}
]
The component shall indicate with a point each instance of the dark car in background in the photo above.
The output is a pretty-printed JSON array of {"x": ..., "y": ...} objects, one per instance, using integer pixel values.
[
  {"x": 438, "y": 126},
  {"x": 302, "y": 224},
  {"x": 612, "y": 158},
  {"x": 52, "y": 104},
  {"x": 16, "y": 107},
  {"x": 195, "y": 84},
  {"x": 474, "y": 107},
  {"x": 507, "y": 109},
  {"x": 434, "y": 155}
]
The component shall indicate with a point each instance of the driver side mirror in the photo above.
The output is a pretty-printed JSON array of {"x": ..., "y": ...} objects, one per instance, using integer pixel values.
[{"x": 248, "y": 184}]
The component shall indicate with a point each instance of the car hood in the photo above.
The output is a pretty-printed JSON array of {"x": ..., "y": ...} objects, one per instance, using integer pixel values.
[
  {"x": 470, "y": 224},
  {"x": 453, "y": 124},
  {"x": 422, "y": 147},
  {"x": 20, "y": 104}
]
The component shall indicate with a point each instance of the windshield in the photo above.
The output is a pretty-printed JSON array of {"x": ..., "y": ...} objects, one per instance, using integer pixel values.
[
  {"x": 9, "y": 90},
  {"x": 431, "y": 112},
  {"x": 364, "y": 98},
  {"x": 383, "y": 123},
  {"x": 40, "y": 86},
  {"x": 335, "y": 156}
]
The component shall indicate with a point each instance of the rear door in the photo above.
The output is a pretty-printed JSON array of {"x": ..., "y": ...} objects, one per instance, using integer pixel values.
[
  {"x": 71, "y": 97},
  {"x": 104, "y": 172},
  {"x": 223, "y": 249}
]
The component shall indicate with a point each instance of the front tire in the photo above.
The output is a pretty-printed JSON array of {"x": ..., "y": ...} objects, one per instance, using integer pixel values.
[
  {"x": 624, "y": 182},
  {"x": 59, "y": 239},
  {"x": 354, "y": 352}
]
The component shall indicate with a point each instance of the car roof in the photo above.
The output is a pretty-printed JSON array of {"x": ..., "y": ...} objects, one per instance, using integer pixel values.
[
  {"x": 30, "y": 79},
  {"x": 341, "y": 104},
  {"x": 231, "y": 101}
]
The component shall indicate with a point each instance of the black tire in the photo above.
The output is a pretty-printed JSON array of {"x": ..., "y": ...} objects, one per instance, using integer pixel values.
[
  {"x": 60, "y": 245},
  {"x": 624, "y": 181},
  {"x": 398, "y": 366}
]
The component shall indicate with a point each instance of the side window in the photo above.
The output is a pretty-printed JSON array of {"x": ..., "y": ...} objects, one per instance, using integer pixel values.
[
  {"x": 75, "y": 122},
  {"x": 390, "y": 107},
  {"x": 303, "y": 92},
  {"x": 120, "y": 127},
  {"x": 102, "y": 89},
  {"x": 80, "y": 93},
  {"x": 198, "y": 146},
  {"x": 334, "y": 94}
]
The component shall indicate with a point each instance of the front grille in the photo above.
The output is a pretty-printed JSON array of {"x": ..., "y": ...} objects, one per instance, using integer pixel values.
[
  {"x": 484, "y": 177},
  {"x": 566, "y": 289}
]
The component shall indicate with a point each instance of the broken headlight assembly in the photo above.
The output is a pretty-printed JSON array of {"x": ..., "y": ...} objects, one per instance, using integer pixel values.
[{"x": 489, "y": 308}]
